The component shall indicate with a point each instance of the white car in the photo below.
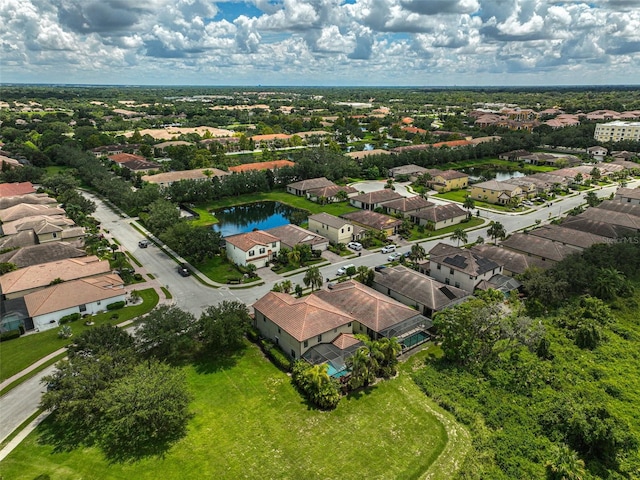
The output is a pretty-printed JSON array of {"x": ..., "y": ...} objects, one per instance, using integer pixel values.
[
  {"x": 394, "y": 256},
  {"x": 357, "y": 246},
  {"x": 388, "y": 248},
  {"x": 343, "y": 270}
]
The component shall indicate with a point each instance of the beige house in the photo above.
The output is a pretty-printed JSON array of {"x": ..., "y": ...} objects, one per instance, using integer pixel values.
[
  {"x": 373, "y": 200},
  {"x": 374, "y": 221},
  {"x": 256, "y": 247},
  {"x": 405, "y": 206},
  {"x": 337, "y": 230},
  {"x": 24, "y": 210},
  {"x": 439, "y": 216},
  {"x": 167, "y": 178},
  {"x": 448, "y": 180},
  {"x": 30, "y": 279},
  {"x": 301, "y": 188},
  {"x": 493, "y": 191}
]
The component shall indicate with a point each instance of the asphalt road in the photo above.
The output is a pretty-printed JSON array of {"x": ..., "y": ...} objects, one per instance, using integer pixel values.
[{"x": 189, "y": 294}]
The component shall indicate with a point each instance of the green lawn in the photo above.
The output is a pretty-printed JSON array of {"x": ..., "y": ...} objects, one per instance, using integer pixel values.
[
  {"x": 460, "y": 195},
  {"x": 498, "y": 163},
  {"x": 471, "y": 223},
  {"x": 18, "y": 354},
  {"x": 220, "y": 270},
  {"x": 249, "y": 422}
]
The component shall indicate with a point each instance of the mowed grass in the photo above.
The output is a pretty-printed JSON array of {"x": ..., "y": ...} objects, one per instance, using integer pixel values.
[
  {"x": 18, "y": 354},
  {"x": 249, "y": 422}
]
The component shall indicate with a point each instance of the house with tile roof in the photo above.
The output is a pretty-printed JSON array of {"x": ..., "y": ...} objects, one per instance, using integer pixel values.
[
  {"x": 611, "y": 217},
  {"x": 493, "y": 191},
  {"x": 20, "y": 239},
  {"x": 628, "y": 195},
  {"x": 35, "y": 254},
  {"x": 543, "y": 248},
  {"x": 12, "y": 189},
  {"x": 447, "y": 180},
  {"x": 417, "y": 290},
  {"x": 412, "y": 171},
  {"x": 257, "y": 247},
  {"x": 374, "y": 221},
  {"x": 568, "y": 236},
  {"x": 271, "y": 165},
  {"x": 439, "y": 216},
  {"x": 623, "y": 207},
  {"x": 36, "y": 277},
  {"x": 291, "y": 235},
  {"x": 406, "y": 206},
  {"x": 167, "y": 178},
  {"x": 30, "y": 198},
  {"x": 373, "y": 200},
  {"x": 331, "y": 193},
  {"x": 47, "y": 228},
  {"x": 23, "y": 210},
  {"x": 336, "y": 229},
  {"x": 86, "y": 296},
  {"x": 596, "y": 227},
  {"x": 301, "y": 188},
  {"x": 121, "y": 158},
  {"x": 460, "y": 267}
]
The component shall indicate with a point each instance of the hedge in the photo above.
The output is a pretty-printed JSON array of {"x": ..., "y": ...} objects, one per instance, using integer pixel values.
[
  {"x": 277, "y": 356},
  {"x": 116, "y": 305},
  {"x": 72, "y": 317},
  {"x": 9, "y": 335}
]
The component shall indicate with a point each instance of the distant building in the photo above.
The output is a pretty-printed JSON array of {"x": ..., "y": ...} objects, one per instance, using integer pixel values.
[{"x": 617, "y": 131}]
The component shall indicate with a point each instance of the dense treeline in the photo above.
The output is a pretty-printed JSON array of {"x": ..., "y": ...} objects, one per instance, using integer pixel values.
[{"x": 561, "y": 401}]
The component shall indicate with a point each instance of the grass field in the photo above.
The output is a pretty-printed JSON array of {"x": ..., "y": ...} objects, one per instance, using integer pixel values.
[
  {"x": 18, "y": 354},
  {"x": 471, "y": 223},
  {"x": 460, "y": 195},
  {"x": 249, "y": 422}
]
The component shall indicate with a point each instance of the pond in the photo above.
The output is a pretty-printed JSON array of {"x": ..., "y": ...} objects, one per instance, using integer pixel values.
[
  {"x": 490, "y": 172},
  {"x": 258, "y": 215}
]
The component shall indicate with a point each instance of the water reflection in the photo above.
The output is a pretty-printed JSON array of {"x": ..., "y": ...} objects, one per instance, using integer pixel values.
[{"x": 258, "y": 215}]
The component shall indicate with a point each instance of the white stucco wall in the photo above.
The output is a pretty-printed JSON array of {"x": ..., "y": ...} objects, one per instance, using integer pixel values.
[{"x": 50, "y": 320}]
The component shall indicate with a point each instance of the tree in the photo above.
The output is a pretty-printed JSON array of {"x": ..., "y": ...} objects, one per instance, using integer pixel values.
[
  {"x": 390, "y": 348},
  {"x": 565, "y": 465},
  {"x": 222, "y": 327},
  {"x": 162, "y": 215},
  {"x": 358, "y": 365},
  {"x": 595, "y": 173},
  {"x": 417, "y": 252},
  {"x": 592, "y": 199},
  {"x": 365, "y": 275},
  {"x": 167, "y": 333},
  {"x": 469, "y": 204},
  {"x": 313, "y": 277},
  {"x": 459, "y": 235},
  {"x": 496, "y": 231},
  {"x": 607, "y": 283},
  {"x": 6, "y": 267},
  {"x": 144, "y": 413}
]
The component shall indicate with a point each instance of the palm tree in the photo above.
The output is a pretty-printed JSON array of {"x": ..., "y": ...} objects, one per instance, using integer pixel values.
[
  {"x": 294, "y": 256},
  {"x": 469, "y": 204},
  {"x": 358, "y": 365},
  {"x": 607, "y": 283},
  {"x": 566, "y": 465},
  {"x": 390, "y": 349},
  {"x": 496, "y": 230},
  {"x": 417, "y": 252},
  {"x": 286, "y": 286},
  {"x": 459, "y": 235},
  {"x": 313, "y": 277}
]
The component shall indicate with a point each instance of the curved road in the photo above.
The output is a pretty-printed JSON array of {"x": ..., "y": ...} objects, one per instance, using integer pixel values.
[{"x": 189, "y": 294}]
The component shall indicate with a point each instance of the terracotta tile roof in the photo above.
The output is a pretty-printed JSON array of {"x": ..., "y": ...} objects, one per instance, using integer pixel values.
[
  {"x": 331, "y": 191},
  {"x": 375, "y": 220},
  {"x": 369, "y": 307},
  {"x": 451, "y": 174},
  {"x": 30, "y": 198},
  {"x": 291, "y": 235},
  {"x": 438, "y": 213},
  {"x": 345, "y": 340},
  {"x": 246, "y": 241},
  {"x": 272, "y": 136},
  {"x": 43, "y": 274},
  {"x": 311, "y": 183},
  {"x": 261, "y": 166},
  {"x": 71, "y": 294},
  {"x": 12, "y": 189},
  {"x": 198, "y": 174},
  {"x": 418, "y": 287},
  {"x": 376, "y": 197},
  {"x": 46, "y": 252},
  {"x": 461, "y": 259},
  {"x": 302, "y": 318},
  {"x": 330, "y": 220},
  {"x": 125, "y": 157}
]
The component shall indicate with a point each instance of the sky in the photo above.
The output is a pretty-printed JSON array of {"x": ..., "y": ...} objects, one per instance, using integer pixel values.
[{"x": 321, "y": 42}]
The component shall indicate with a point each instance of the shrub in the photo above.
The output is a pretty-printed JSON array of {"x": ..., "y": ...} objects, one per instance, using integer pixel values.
[
  {"x": 253, "y": 335},
  {"x": 9, "y": 335},
  {"x": 72, "y": 317},
  {"x": 137, "y": 277},
  {"x": 65, "y": 332},
  {"x": 116, "y": 305},
  {"x": 276, "y": 355}
]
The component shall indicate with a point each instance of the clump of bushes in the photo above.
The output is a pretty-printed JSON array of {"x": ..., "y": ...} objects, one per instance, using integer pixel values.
[
  {"x": 116, "y": 305},
  {"x": 72, "y": 317},
  {"x": 316, "y": 384},
  {"x": 9, "y": 335}
]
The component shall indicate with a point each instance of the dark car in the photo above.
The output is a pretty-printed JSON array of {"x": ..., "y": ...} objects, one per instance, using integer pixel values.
[
  {"x": 144, "y": 243},
  {"x": 183, "y": 270}
]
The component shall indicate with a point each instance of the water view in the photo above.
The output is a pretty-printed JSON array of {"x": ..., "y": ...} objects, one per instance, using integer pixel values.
[
  {"x": 477, "y": 174},
  {"x": 259, "y": 215}
]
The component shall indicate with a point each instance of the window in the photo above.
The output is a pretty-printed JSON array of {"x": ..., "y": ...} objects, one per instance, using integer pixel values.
[
  {"x": 293, "y": 353},
  {"x": 446, "y": 281},
  {"x": 83, "y": 308},
  {"x": 342, "y": 230},
  {"x": 98, "y": 302},
  {"x": 438, "y": 267},
  {"x": 251, "y": 253},
  {"x": 279, "y": 330},
  {"x": 349, "y": 324},
  {"x": 451, "y": 271},
  {"x": 262, "y": 250},
  {"x": 273, "y": 244},
  {"x": 457, "y": 284},
  {"x": 54, "y": 235},
  {"x": 319, "y": 338},
  {"x": 306, "y": 343}
]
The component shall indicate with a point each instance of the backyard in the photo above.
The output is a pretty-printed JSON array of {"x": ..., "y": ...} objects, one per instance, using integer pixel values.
[{"x": 250, "y": 422}]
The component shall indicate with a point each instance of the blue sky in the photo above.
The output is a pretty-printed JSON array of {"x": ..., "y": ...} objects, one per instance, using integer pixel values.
[{"x": 321, "y": 42}]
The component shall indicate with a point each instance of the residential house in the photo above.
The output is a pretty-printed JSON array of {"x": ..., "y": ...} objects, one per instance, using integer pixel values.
[
  {"x": 514, "y": 263},
  {"x": 620, "y": 219},
  {"x": 86, "y": 296},
  {"x": 493, "y": 191},
  {"x": 291, "y": 235},
  {"x": 411, "y": 171},
  {"x": 416, "y": 290},
  {"x": 270, "y": 165},
  {"x": 501, "y": 283},
  {"x": 301, "y": 188},
  {"x": 568, "y": 236},
  {"x": 47, "y": 228},
  {"x": 514, "y": 155},
  {"x": 374, "y": 221},
  {"x": 331, "y": 193},
  {"x": 257, "y": 247},
  {"x": 20, "y": 239},
  {"x": 439, "y": 216},
  {"x": 545, "y": 249},
  {"x": 35, "y": 254},
  {"x": 597, "y": 152},
  {"x": 360, "y": 155},
  {"x": 529, "y": 188},
  {"x": 13, "y": 189},
  {"x": 462, "y": 268},
  {"x": 373, "y": 200},
  {"x": 30, "y": 198},
  {"x": 448, "y": 180},
  {"x": 122, "y": 158},
  {"x": 168, "y": 178},
  {"x": 406, "y": 206},
  {"x": 595, "y": 227},
  {"x": 140, "y": 166},
  {"x": 337, "y": 230},
  {"x": 24, "y": 210},
  {"x": 36, "y": 277},
  {"x": 628, "y": 195},
  {"x": 623, "y": 207}
]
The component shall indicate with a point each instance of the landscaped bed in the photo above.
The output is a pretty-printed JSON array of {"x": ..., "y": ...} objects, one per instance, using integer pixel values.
[{"x": 250, "y": 422}]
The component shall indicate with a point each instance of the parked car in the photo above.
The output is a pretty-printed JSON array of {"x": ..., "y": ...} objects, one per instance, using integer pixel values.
[
  {"x": 389, "y": 248},
  {"x": 183, "y": 270},
  {"x": 357, "y": 246},
  {"x": 394, "y": 256},
  {"x": 144, "y": 243},
  {"x": 379, "y": 268},
  {"x": 343, "y": 270}
]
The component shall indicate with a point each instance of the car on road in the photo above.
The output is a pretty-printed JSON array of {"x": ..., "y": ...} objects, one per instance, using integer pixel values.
[
  {"x": 343, "y": 270},
  {"x": 144, "y": 243},
  {"x": 388, "y": 248},
  {"x": 394, "y": 256},
  {"x": 183, "y": 270},
  {"x": 527, "y": 203},
  {"x": 357, "y": 246}
]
